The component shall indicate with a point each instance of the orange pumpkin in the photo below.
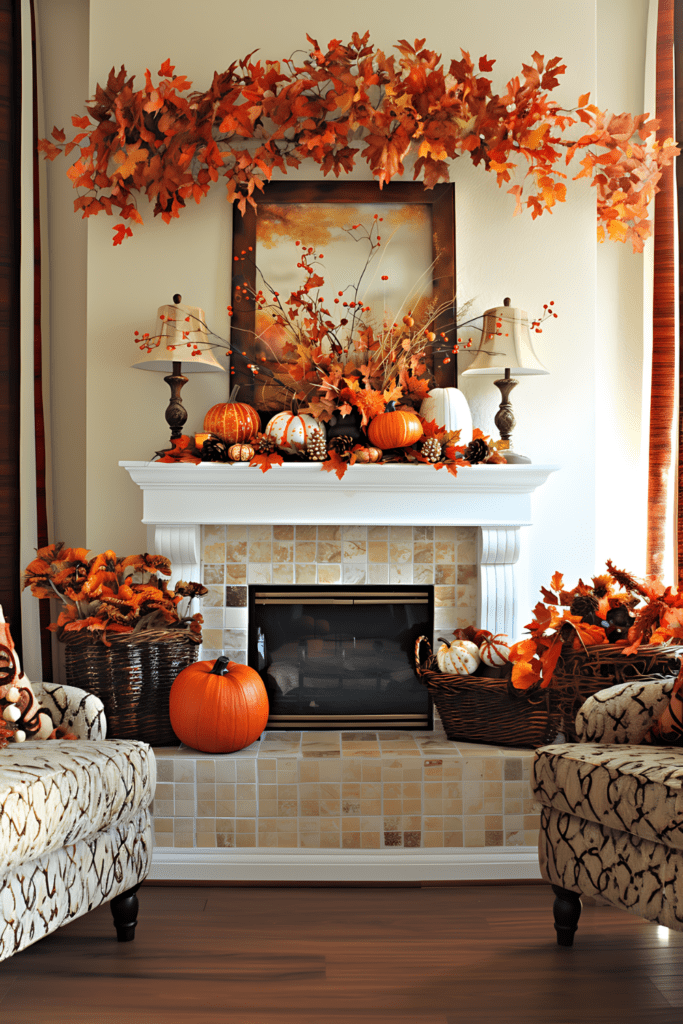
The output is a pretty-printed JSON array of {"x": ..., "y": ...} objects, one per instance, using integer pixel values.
[
  {"x": 233, "y": 422},
  {"x": 241, "y": 452},
  {"x": 365, "y": 455},
  {"x": 218, "y": 707},
  {"x": 395, "y": 428}
]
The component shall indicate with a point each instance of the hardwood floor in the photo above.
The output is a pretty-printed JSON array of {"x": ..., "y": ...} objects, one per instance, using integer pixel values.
[{"x": 466, "y": 954}]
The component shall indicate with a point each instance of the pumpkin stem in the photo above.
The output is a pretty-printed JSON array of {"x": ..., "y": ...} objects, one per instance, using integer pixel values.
[
  {"x": 390, "y": 407},
  {"x": 233, "y": 394},
  {"x": 220, "y": 665}
]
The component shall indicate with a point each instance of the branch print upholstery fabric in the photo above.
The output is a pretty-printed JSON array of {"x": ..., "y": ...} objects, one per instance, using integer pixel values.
[
  {"x": 75, "y": 824},
  {"x": 622, "y": 713},
  {"x": 612, "y": 814}
]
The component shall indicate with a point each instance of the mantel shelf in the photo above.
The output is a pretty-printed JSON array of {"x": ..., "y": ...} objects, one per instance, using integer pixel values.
[{"x": 303, "y": 494}]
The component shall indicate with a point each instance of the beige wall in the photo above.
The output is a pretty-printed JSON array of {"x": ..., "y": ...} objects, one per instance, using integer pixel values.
[{"x": 497, "y": 255}]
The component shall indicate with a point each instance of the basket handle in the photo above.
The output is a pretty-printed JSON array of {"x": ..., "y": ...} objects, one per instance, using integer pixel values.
[{"x": 418, "y": 660}]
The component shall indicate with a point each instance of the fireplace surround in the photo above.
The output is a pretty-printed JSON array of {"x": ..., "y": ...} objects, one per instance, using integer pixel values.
[{"x": 344, "y": 805}]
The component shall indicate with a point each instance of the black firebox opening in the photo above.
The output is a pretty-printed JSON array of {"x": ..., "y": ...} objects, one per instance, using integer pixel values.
[{"x": 342, "y": 656}]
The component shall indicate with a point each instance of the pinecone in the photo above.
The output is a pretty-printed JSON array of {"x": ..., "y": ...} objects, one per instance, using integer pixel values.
[
  {"x": 264, "y": 445},
  {"x": 586, "y": 605},
  {"x": 316, "y": 449},
  {"x": 476, "y": 451},
  {"x": 342, "y": 444},
  {"x": 214, "y": 450},
  {"x": 431, "y": 449}
]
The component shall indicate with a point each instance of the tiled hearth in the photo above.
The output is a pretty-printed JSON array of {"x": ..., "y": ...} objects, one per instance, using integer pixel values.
[
  {"x": 234, "y": 556},
  {"x": 355, "y": 791}
]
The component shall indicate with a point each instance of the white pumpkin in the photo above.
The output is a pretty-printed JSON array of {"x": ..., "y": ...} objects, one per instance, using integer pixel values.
[
  {"x": 461, "y": 658},
  {"x": 449, "y": 408},
  {"x": 291, "y": 432},
  {"x": 495, "y": 650}
]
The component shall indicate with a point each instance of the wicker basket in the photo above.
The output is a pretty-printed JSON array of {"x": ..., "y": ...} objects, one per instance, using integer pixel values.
[
  {"x": 487, "y": 710},
  {"x": 580, "y": 674},
  {"x": 132, "y": 678}
]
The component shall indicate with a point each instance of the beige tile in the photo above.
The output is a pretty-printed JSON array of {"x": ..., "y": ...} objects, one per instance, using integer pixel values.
[
  {"x": 214, "y": 553},
  {"x": 305, "y": 533},
  {"x": 423, "y": 574},
  {"x": 283, "y": 552},
  {"x": 236, "y": 573},
  {"x": 329, "y": 573},
  {"x": 354, "y": 550},
  {"x": 259, "y": 551},
  {"x": 358, "y": 533},
  {"x": 213, "y": 534},
  {"x": 283, "y": 573},
  {"x": 214, "y": 598},
  {"x": 467, "y": 553},
  {"x": 401, "y": 573},
  {"x": 378, "y": 551},
  {"x": 328, "y": 551},
  {"x": 305, "y": 551},
  {"x": 214, "y": 574},
  {"x": 378, "y": 533},
  {"x": 283, "y": 532},
  {"x": 444, "y": 574},
  {"x": 329, "y": 533},
  {"x": 378, "y": 573},
  {"x": 444, "y": 553},
  {"x": 236, "y": 532},
  {"x": 259, "y": 572},
  {"x": 236, "y": 551},
  {"x": 423, "y": 552},
  {"x": 400, "y": 553},
  {"x": 401, "y": 535},
  {"x": 444, "y": 596},
  {"x": 260, "y": 533}
]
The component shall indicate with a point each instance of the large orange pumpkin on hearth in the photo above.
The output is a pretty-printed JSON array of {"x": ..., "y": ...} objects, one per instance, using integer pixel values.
[
  {"x": 233, "y": 422},
  {"x": 218, "y": 707}
]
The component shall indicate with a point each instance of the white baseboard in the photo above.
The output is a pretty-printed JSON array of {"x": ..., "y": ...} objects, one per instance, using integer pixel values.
[{"x": 299, "y": 865}]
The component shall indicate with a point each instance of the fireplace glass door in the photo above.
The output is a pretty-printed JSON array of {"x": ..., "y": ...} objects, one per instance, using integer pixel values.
[{"x": 341, "y": 658}]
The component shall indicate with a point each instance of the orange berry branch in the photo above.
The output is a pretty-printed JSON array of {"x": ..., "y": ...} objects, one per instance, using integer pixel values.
[{"x": 257, "y": 117}]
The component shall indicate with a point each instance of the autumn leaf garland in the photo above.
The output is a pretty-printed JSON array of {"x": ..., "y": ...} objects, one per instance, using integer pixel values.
[{"x": 257, "y": 117}]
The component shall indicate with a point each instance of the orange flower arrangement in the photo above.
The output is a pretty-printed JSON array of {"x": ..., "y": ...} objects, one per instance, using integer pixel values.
[{"x": 107, "y": 595}]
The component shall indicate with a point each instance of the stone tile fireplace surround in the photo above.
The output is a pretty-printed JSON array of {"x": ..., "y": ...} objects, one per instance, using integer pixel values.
[{"x": 328, "y": 805}]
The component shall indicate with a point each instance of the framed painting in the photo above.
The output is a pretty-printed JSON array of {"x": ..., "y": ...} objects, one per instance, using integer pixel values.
[{"x": 415, "y": 271}]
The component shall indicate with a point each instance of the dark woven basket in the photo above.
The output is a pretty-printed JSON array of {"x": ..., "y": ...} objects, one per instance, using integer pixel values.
[
  {"x": 482, "y": 709},
  {"x": 581, "y": 674},
  {"x": 132, "y": 678}
]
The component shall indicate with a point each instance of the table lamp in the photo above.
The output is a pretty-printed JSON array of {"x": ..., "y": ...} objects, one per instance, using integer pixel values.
[
  {"x": 180, "y": 331},
  {"x": 506, "y": 348}
]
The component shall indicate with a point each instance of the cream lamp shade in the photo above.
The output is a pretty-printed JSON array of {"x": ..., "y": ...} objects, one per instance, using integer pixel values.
[
  {"x": 179, "y": 331},
  {"x": 507, "y": 347}
]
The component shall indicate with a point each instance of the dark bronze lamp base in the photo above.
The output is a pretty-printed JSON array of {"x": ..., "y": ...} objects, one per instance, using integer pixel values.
[{"x": 505, "y": 420}]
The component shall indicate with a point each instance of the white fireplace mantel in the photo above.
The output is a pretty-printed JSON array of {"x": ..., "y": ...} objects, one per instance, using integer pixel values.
[{"x": 179, "y": 498}]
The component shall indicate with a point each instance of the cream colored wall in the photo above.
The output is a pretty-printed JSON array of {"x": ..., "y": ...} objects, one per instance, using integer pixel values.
[{"x": 551, "y": 258}]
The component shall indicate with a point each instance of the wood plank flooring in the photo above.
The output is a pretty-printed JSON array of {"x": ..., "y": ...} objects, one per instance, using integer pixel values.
[{"x": 465, "y": 954}]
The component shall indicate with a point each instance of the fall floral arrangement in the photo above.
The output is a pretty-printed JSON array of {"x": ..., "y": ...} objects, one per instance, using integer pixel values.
[
  {"x": 107, "y": 594},
  {"x": 172, "y": 144},
  {"x": 615, "y": 608}
]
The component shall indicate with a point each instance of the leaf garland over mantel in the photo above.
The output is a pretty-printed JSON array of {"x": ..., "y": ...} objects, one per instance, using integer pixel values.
[{"x": 172, "y": 144}]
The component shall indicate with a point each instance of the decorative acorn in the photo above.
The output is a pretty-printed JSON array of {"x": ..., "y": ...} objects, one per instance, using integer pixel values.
[
  {"x": 431, "y": 449},
  {"x": 214, "y": 450},
  {"x": 316, "y": 449},
  {"x": 241, "y": 452}
]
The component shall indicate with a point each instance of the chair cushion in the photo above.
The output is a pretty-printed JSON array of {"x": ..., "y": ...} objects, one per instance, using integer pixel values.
[
  {"x": 634, "y": 789},
  {"x": 55, "y": 794}
]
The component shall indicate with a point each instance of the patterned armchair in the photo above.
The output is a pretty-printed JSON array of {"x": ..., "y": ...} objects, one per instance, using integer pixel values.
[
  {"x": 611, "y": 814},
  {"x": 75, "y": 825}
]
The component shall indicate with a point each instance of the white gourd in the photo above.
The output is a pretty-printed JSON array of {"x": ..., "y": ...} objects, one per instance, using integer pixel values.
[
  {"x": 448, "y": 406},
  {"x": 495, "y": 650},
  {"x": 461, "y": 658}
]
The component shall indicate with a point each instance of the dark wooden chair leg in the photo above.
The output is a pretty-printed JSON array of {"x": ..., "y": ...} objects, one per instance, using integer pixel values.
[
  {"x": 124, "y": 909},
  {"x": 567, "y": 911}
]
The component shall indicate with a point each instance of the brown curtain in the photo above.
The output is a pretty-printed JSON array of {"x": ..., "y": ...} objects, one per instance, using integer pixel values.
[
  {"x": 10, "y": 195},
  {"x": 664, "y": 340}
]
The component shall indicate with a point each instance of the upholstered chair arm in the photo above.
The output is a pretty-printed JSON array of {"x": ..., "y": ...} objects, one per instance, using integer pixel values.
[
  {"x": 622, "y": 713},
  {"x": 80, "y": 712}
]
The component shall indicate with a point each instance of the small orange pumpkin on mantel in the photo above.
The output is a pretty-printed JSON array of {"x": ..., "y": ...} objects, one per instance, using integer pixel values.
[
  {"x": 218, "y": 707},
  {"x": 394, "y": 428}
]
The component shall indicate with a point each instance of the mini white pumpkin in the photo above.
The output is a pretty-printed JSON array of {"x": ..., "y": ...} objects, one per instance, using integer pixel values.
[
  {"x": 448, "y": 406},
  {"x": 495, "y": 650},
  {"x": 291, "y": 432},
  {"x": 461, "y": 658}
]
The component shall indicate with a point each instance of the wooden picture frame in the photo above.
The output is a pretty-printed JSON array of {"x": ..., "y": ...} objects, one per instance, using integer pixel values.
[{"x": 441, "y": 203}]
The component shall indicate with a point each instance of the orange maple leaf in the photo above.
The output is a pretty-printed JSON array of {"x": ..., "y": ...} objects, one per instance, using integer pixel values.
[
  {"x": 334, "y": 464},
  {"x": 526, "y": 674},
  {"x": 266, "y": 462}
]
